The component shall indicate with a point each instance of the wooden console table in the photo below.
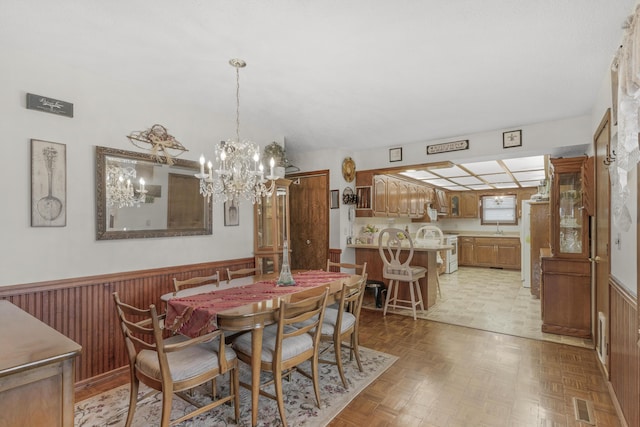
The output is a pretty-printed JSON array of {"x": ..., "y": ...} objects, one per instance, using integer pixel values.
[{"x": 37, "y": 366}]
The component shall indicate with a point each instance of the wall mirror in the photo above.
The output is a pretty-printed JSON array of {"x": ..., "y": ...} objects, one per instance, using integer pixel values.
[{"x": 137, "y": 197}]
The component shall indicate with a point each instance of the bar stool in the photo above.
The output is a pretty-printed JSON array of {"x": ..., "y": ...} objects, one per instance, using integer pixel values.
[{"x": 399, "y": 272}]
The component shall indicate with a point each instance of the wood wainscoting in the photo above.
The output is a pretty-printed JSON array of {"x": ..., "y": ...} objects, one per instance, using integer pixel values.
[
  {"x": 82, "y": 308},
  {"x": 624, "y": 354},
  {"x": 334, "y": 256}
]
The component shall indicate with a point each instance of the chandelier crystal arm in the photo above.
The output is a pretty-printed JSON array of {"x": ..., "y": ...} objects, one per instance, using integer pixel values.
[{"x": 119, "y": 191}]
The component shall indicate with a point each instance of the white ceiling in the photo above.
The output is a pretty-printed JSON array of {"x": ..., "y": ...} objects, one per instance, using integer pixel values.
[{"x": 341, "y": 73}]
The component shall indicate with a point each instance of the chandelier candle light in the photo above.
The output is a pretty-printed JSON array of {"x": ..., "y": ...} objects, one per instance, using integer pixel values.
[
  {"x": 239, "y": 172},
  {"x": 120, "y": 193}
]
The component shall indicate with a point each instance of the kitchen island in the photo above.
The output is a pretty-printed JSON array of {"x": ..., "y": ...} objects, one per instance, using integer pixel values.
[{"x": 422, "y": 256}]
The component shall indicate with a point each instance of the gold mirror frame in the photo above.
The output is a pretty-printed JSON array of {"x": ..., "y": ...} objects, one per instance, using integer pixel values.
[{"x": 102, "y": 231}]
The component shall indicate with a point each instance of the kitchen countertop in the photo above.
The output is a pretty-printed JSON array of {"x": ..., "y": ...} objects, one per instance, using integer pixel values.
[
  {"x": 512, "y": 234},
  {"x": 415, "y": 248}
]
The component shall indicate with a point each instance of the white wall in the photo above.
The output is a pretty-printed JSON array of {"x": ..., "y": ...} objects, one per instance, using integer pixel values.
[
  {"x": 570, "y": 136},
  {"x": 106, "y": 111}
]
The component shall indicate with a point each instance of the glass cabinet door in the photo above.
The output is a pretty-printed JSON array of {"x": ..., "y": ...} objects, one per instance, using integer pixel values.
[
  {"x": 570, "y": 210},
  {"x": 281, "y": 209},
  {"x": 455, "y": 205},
  {"x": 263, "y": 231},
  {"x": 271, "y": 227},
  {"x": 570, "y": 221}
]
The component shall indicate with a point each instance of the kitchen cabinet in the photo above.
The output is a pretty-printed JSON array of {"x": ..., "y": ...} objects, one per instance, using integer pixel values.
[
  {"x": 442, "y": 202},
  {"x": 566, "y": 273},
  {"x": 498, "y": 252},
  {"x": 465, "y": 251},
  {"x": 566, "y": 296},
  {"x": 463, "y": 205},
  {"x": 425, "y": 200},
  {"x": 418, "y": 199},
  {"x": 394, "y": 197},
  {"x": 380, "y": 195},
  {"x": 271, "y": 228}
]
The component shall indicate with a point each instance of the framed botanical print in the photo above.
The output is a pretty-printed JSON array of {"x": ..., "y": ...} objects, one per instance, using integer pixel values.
[
  {"x": 48, "y": 184},
  {"x": 231, "y": 214},
  {"x": 395, "y": 154},
  {"x": 335, "y": 199},
  {"x": 512, "y": 138}
]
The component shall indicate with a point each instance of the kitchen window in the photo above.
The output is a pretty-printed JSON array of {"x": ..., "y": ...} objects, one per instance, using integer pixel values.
[{"x": 499, "y": 209}]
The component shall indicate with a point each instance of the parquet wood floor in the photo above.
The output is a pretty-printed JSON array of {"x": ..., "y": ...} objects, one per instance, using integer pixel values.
[{"x": 454, "y": 376}]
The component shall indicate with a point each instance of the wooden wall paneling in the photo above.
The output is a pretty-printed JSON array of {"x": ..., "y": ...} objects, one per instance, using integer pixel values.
[
  {"x": 334, "y": 256},
  {"x": 624, "y": 355},
  {"x": 82, "y": 308},
  {"x": 540, "y": 238}
]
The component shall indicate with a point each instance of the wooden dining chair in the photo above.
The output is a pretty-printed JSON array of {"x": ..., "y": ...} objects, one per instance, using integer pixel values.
[
  {"x": 284, "y": 346},
  {"x": 242, "y": 272},
  {"x": 377, "y": 286},
  {"x": 196, "y": 281},
  {"x": 390, "y": 245},
  {"x": 343, "y": 322},
  {"x": 360, "y": 269},
  {"x": 175, "y": 364}
]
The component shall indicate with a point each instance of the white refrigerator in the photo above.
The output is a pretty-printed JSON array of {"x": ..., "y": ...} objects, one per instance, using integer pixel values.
[{"x": 525, "y": 244}]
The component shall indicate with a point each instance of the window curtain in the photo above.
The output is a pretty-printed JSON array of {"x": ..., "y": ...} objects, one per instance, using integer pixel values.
[{"x": 626, "y": 67}]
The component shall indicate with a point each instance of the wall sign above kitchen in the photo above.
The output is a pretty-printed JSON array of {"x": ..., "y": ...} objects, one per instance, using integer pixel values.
[
  {"x": 49, "y": 105},
  {"x": 448, "y": 146}
]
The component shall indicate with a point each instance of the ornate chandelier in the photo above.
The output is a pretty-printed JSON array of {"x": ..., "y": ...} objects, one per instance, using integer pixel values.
[
  {"x": 120, "y": 192},
  {"x": 239, "y": 174}
]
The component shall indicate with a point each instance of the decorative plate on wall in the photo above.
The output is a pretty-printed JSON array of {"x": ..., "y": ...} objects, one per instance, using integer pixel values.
[{"x": 348, "y": 169}]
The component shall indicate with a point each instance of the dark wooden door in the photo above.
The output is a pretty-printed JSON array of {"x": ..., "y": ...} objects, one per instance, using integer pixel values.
[
  {"x": 309, "y": 220},
  {"x": 603, "y": 222}
]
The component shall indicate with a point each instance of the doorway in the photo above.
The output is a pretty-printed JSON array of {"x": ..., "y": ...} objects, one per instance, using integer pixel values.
[
  {"x": 309, "y": 220},
  {"x": 601, "y": 250}
]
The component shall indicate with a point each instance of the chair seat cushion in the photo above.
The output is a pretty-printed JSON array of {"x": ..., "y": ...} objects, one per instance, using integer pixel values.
[
  {"x": 184, "y": 364},
  {"x": 411, "y": 273},
  {"x": 331, "y": 318},
  {"x": 291, "y": 346}
]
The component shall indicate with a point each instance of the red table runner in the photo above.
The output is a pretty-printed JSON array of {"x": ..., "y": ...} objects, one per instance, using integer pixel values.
[{"x": 196, "y": 315}]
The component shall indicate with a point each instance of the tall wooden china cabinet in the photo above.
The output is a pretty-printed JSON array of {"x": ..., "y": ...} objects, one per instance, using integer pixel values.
[
  {"x": 566, "y": 273},
  {"x": 271, "y": 228}
]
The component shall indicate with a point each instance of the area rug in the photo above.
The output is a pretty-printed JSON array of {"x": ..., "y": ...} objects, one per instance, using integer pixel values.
[
  {"x": 110, "y": 408},
  {"x": 492, "y": 300}
]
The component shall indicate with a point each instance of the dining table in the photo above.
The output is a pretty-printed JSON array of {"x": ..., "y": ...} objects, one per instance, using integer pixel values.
[{"x": 248, "y": 307}]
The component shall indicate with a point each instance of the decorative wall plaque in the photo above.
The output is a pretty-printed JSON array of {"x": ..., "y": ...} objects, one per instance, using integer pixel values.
[
  {"x": 448, "y": 146},
  {"x": 49, "y": 105}
]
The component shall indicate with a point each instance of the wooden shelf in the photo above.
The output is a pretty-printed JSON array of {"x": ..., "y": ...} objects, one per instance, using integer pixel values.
[{"x": 364, "y": 197}]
